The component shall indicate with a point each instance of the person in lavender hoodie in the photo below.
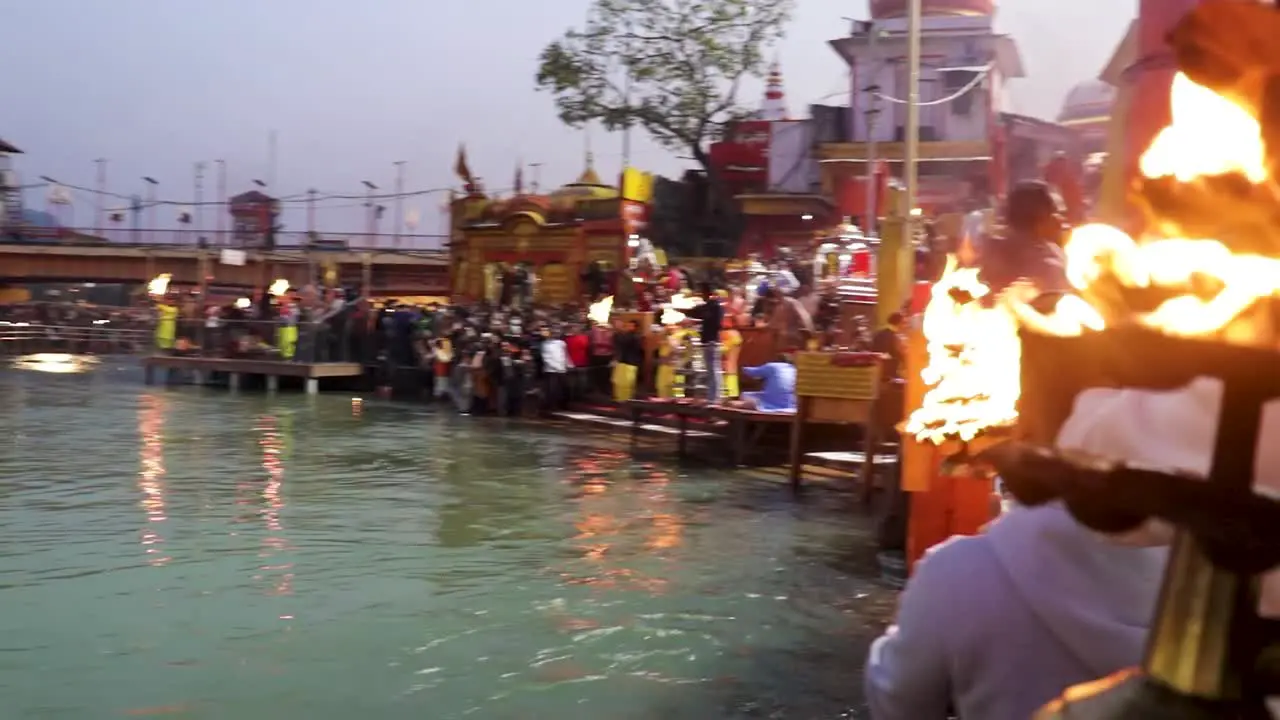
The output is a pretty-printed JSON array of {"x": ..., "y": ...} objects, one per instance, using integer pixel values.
[{"x": 994, "y": 626}]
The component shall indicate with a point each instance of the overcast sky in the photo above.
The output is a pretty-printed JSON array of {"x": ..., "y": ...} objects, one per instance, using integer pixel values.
[{"x": 351, "y": 87}]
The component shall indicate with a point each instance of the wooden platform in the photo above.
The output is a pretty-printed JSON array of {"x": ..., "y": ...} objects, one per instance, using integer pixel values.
[
  {"x": 235, "y": 368},
  {"x": 737, "y": 428}
]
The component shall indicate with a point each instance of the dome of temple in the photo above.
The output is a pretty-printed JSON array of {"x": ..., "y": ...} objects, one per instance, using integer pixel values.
[
  {"x": 1089, "y": 99},
  {"x": 882, "y": 9},
  {"x": 588, "y": 186}
]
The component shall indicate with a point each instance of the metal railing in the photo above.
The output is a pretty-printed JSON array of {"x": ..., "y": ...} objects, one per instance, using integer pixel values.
[
  {"x": 276, "y": 340},
  {"x": 188, "y": 238},
  {"x": 98, "y": 338}
]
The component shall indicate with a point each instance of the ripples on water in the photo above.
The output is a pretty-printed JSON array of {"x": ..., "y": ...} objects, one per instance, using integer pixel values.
[{"x": 190, "y": 553}]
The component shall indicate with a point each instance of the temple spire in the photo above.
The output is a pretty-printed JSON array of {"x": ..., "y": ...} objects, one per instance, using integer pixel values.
[
  {"x": 589, "y": 175},
  {"x": 774, "y": 106}
]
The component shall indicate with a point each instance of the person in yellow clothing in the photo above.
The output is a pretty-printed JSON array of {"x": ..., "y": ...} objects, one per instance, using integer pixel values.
[
  {"x": 287, "y": 333},
  {"x": 679, "y": 355},
  {"x": 731, "y": 348},
  {"x": 166, "y": 325},
  {"x": 668, "y": 356}
]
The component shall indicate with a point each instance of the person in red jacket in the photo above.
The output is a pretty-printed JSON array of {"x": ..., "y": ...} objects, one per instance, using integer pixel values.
[{"x": 576, "y": 343}]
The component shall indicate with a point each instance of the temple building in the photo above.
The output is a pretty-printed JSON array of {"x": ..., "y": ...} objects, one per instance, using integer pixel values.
[
  {"x": 767, "y": 165},
  {"x": 966, "y": 65},
  {"x": 548, "y": 239},
  {"x": 1087, "y": 110}
]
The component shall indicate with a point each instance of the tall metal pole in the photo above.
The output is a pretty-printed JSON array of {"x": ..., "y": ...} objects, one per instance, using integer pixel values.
[
  {"x": 370, "y": 223},
  {"x": 873, "y": 87},
  {"x": 151, "y": 202},
  {"x": 222, "y": 209},
  {"x": 399, "y": 201},
  {"x": 100, "y": 218},
  {"x": 311, "y": 212},
  {"x": 537, "y": 175},
  {"x": 272, "y": 159},
  {"x": 197, "y": 210},
  {"x": 912, "y": 154}
]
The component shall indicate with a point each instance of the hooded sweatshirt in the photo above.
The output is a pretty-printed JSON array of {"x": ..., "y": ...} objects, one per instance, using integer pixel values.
[{"x": 998, "y": 624}]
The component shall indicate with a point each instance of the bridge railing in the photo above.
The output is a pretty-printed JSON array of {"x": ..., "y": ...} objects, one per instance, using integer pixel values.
[
  {"x": 327, "y": 341},
  {"x": 98, "y": 338},
  {"x": 188, "y": 238}
]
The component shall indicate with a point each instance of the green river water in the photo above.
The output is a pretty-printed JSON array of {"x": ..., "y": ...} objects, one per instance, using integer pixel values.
[{"x": 189, "y": 553}]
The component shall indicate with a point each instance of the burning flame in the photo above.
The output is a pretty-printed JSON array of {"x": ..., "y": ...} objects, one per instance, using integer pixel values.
[
  {"x": 279, "y": 287},
  {"x": 159, "y": 285},
  {"x": 973, "y": 370},
  {"x": 671, "y": 316},
  {"x": 684, "y": 301},
  {"x": 599, "y": 311}
]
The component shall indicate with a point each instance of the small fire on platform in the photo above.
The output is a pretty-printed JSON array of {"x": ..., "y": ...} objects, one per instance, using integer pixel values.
[{"x": 1172, "y": 279}]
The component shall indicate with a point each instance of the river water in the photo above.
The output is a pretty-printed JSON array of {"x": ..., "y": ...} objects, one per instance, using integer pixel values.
[{"x": 191, "y": 553}]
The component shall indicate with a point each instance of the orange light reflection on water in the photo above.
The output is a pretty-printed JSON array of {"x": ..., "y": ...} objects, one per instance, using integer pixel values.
[
  {"x": 611, "y": 515},
  {"x": 151, "y": 474},
  {"x": 271, "y": 441}
]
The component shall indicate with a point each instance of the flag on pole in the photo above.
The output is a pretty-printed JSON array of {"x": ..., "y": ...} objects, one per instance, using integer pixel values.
[{"x": 460, "y": 167}]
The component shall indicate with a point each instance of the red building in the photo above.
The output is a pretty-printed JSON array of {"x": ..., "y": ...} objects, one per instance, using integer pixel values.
[{"x": 767, "y": 166}]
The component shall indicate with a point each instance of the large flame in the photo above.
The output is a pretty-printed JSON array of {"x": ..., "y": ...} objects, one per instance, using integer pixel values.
[
  {"x": 278, "y": 287},
  {"x": 158, "y": 286},
  {"x": 974, "y": 355},
  {"x": 599, "y": 311}
]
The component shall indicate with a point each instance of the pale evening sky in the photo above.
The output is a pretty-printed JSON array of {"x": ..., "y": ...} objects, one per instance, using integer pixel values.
[{"x": 351, "y": 87}]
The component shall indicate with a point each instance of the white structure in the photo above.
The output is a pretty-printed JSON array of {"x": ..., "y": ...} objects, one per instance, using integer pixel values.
[
  {"x": 962, "y": 57},
  {"x": 1087, "y": 110},
  {"x": 792, "y": 167},
  {"x": 774, "y": 106}
]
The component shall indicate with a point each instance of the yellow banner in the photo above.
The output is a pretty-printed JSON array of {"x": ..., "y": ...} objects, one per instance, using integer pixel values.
[{"x": 637, "y": 185}]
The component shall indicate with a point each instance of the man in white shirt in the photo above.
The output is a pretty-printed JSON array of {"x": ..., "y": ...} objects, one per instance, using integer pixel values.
[{"x": 555, "y": 364}]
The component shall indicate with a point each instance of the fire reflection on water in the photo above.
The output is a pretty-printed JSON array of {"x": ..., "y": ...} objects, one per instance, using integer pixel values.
[
  {"x": 271, "y": 442},
  {"x": 620, "y": 526},
  {"x": 151, "y": 415}
]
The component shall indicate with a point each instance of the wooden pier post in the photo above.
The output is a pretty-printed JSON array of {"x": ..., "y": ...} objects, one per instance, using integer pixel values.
[{"x": 313, "y": 386}]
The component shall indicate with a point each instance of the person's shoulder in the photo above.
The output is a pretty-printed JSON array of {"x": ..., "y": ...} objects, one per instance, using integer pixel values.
[{"x": 957, "y": 560}]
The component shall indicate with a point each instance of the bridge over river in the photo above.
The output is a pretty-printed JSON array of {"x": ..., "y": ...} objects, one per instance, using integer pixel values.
[{"x": 383, "y": 271}]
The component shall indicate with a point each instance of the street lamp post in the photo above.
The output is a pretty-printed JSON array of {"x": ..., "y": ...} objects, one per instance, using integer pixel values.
[
  {"x": 222, "y": 209},
  {"x": 872, "y": 90},
  {"x": 399, "y": 164},
  {"x": 100, "y": 215},
  {"x": 152, "y": 183},
  {"x": 197, "y": 211},
  {"x": 912, "y": 154},
  {"x": 370, "y": 222}
]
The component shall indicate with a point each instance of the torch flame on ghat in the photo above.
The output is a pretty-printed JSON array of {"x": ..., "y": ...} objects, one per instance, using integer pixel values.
[{"x": 974, "y": 354}]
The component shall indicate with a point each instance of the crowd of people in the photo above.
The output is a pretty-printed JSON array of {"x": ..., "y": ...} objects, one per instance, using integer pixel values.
[
  {"x": 73, "y": 327},
  {"x": 677, "y": 333}
]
